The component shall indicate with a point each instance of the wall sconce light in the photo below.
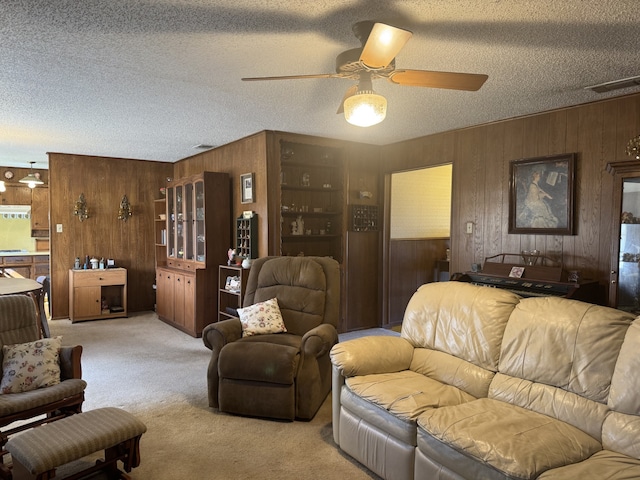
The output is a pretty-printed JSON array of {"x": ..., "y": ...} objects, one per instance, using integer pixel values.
[
  {"x": 3, "y": 188},
  {"x": 32, "y": 180},
  {"x": 125, "y": 209},
  {"x": 80, "y": 210},
  {"x": 633, "y": 147}
]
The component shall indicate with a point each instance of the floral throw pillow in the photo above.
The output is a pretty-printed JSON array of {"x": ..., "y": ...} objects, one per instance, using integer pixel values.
[
  {"x": 28, "y": 366},
  {"x": 261, "y": 318}
]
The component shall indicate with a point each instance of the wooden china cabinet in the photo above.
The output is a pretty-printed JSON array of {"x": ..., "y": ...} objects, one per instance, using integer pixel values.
[
  {"x": 198, "y": 235},
  {"x": 624, "y": 281}
]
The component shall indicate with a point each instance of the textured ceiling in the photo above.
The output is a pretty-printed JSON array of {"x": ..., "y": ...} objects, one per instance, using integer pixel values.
[{"x": 151, "y": 79}]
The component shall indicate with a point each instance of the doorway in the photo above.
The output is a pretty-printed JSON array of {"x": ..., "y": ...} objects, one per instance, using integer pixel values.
[{"x": 417, "y": 233}]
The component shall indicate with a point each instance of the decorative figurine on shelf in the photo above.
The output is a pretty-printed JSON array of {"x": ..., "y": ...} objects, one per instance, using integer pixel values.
[
  {"x": 299, "y": 226},
  {"x": 231, "y": 254},
  {"x": 76, "y": 265},
  {"x": 306, "y": 180}
]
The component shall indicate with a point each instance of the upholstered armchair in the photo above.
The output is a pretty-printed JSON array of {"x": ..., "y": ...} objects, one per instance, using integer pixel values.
[
  {"x": 19, "y": 325},
  {"x": 283, "y": 375}
]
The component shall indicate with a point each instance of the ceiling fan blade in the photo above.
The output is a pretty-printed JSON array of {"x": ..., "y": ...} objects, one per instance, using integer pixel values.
[
  {"x": 383, "y": 45},
  {"x": 424, "y": 78},
  {"x": 292, "y": 77},
  {"x": 351, "y": 91}
]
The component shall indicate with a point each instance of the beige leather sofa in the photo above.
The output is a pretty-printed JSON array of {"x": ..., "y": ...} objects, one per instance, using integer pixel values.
[{"x": 483, "y": 384}]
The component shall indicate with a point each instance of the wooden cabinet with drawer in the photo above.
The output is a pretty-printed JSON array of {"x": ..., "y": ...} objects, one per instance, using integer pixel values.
[{"x": 97, "y": 294}]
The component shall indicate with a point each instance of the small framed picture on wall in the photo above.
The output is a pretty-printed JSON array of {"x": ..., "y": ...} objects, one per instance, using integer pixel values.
[{"x": 246, "y": 188}]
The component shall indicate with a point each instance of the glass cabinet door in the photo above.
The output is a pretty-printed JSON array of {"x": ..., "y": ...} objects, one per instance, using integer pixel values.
[
  {"x": 199, "y": 222},
  {"x": 179, "y": 222},
  {"x": 188, "y": 221},
  {"x": 629, "y": 254},
  {"x": 171, "y": 224}
]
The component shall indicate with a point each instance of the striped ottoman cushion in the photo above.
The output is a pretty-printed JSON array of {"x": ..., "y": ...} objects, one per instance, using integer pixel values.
[{"x": 71, "y": 438}]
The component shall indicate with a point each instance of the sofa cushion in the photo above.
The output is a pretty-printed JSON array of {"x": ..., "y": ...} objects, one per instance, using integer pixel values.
[
  {"x": 603, "y": 464},
  {"x": 31, "y": 365},
  {"x": 452, "y": 370},
  {"x": 499, "y": 437},
  {"x": 300, "y": 286},
  {"x": 19, "y": 402},
  {"x": 261, "y": 318},
  {"x": 440, "y": 316},
  {"x": 625, "y": 383},
  {"x": 398, "y": 399},
  {"x": 278, "y": 363},
  {"x": 621, "y": 433},
  {"x": 580, "y": 412},
  {"x": 565, "y": 343}
]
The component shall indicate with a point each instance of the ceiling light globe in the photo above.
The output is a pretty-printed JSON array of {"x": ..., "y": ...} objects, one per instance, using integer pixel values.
[{"x": 365, "y": 109}]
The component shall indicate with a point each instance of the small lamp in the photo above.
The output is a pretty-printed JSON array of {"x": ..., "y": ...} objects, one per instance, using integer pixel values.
[
  {"x": 80, "y": 210},
  {"x": 31, "y": 179},
  {"x": 125, "y": 209}
]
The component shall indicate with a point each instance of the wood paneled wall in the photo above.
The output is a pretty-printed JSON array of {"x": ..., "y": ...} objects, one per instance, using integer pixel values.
[
  {"x": 104, "y": 181},
  {"x": 598, "y": 132}
]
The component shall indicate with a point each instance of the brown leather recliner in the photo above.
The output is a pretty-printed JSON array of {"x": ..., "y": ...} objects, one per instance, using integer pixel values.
[{"x": 283, "y": 375}]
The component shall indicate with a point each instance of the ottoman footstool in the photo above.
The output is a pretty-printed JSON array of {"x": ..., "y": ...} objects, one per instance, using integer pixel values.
[{"x": 37, "y": 453}]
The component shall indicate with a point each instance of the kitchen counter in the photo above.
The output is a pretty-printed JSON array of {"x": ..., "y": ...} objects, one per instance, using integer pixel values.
[{"x": 25, "y": 263}]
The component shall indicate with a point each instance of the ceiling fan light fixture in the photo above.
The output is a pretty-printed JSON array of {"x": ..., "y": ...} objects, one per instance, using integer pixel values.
[{"x": 365, "y": 108}]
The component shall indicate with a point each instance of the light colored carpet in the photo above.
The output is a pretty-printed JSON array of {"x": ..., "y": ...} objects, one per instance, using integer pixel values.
[{"x": 158, "y": 373}]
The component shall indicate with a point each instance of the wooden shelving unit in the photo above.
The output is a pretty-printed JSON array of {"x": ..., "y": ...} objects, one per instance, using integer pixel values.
[
  {"x": 247, "y": 235},
  {"x": 311, "y": 193},
  {"x": 230, "y": 296},
  {"x": 160, "y": 226}
]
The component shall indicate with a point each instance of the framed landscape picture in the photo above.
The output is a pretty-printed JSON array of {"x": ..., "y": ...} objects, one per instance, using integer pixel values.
[{"x": 541, "y": 195}]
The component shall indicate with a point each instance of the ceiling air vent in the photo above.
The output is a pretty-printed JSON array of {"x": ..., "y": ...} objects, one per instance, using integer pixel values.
[{"x": 615, "y": 85}]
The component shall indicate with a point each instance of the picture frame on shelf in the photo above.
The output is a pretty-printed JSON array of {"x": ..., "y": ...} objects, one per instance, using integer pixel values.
[
  {"x": 247, "y": 193},
  {"x": 541, "y": 195}
]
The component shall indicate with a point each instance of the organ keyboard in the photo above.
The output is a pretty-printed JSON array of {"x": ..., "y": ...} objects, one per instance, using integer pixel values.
[{"x": 534, "y": 280}]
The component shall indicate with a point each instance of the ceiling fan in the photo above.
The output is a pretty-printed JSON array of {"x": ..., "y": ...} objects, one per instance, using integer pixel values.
[{"x": 376, "y": 59}]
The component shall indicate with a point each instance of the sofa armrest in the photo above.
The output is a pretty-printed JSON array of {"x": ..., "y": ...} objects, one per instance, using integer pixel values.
[
  {"x": 365, "y": 356},
  {"x": 372, "y": 354},
  {"x": 70, "y": 366},
  {"x": 319, "y": 340},
  {"x": 217, "y": 335}
]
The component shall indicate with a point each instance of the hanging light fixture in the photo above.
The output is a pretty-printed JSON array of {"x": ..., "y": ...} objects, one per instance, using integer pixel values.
[
  {"x": 633, "y": 147},
  {"x": 365, "y": 108},
  {"x": 31, "y": 179}
]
